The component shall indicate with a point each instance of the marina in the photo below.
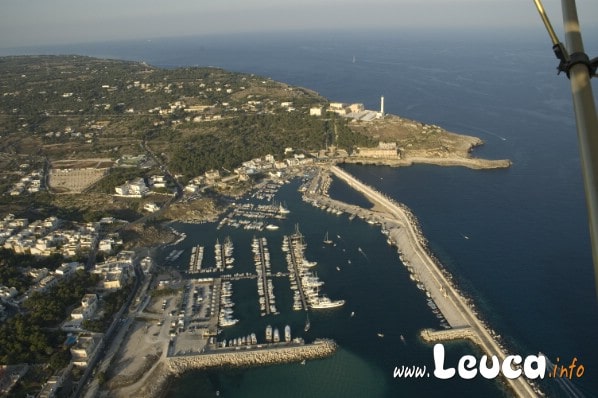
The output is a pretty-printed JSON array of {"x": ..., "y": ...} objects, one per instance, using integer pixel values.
[
  {"x": 255, "y": 216},
  {"x": 207, "y": 322},
  {"x": 304, "y": 283},
  {"x": 225, "y": 317},
  {"x": 261, "y": 258},
  {"x": 224, "y": 254}
]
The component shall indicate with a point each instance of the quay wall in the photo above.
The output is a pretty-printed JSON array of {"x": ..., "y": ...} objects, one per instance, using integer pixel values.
[{"x": 252, "y": 357}]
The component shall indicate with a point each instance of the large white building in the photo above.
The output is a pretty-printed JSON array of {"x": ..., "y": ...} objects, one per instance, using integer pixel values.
[{"x": 134, "y": 189}]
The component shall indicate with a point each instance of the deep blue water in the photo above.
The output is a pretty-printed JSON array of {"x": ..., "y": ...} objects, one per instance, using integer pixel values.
[{"x": 527, "y": 261}]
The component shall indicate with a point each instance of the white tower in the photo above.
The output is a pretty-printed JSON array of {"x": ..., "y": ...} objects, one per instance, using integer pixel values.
[{"x": 382, "y": 106}]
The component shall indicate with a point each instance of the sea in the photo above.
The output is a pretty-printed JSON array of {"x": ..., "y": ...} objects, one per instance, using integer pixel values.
[{"x": 516, "y": 240}]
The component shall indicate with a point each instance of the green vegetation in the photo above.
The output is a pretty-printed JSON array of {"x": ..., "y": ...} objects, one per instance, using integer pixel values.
[
  {"x": 193, "y": 119},
  {"x": 117, "y": 176},
  {"x": 249, "y": 136},
  {"x": 13, "y": 264},
  {"x": 110, "y": 305},
  {"x": 33, "y": 337}
]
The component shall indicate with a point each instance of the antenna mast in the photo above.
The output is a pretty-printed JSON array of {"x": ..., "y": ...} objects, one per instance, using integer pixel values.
[{"x": 580, "y": 69}]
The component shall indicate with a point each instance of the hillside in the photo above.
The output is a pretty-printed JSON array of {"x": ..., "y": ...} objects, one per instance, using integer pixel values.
[{"x": 196, "y": 118}]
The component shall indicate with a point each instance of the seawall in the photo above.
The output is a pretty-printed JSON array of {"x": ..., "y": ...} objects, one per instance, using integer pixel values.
[
  {"x": 404, "y": 231},
  {"x": 172, "y": 367},
  {"x": 252, "y": 357}
]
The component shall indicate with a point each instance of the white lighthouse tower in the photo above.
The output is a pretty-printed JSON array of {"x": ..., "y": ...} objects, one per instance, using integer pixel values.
[{"x": 381, "y": 107}]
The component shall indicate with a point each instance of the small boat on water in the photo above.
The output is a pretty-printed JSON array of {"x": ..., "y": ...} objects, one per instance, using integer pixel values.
[
  {"x": 307, "y": 324},
  {"x": 403, "y": 340},
  {"x": 327, "y": 239},
  {"x": 338, "y": 268},
  {"x": 352, "y": 314},
  {"x": 381, "y": 335},
  {"x": 283, "y": 210}
]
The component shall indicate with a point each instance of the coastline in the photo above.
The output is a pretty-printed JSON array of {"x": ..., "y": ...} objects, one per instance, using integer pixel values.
[{"x": 404, "y": 232}]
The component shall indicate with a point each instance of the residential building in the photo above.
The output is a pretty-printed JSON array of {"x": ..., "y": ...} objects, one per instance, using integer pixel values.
[{"x": 85, "y": 349}]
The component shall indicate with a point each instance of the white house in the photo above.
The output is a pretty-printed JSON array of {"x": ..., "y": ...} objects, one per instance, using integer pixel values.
[
  {"x": 315, "y": 111},
  {"x": 85, "y": 349},
  {"x": 151, "y": 207},
  {"x": 89, "y": 305},
  {"x": 66, "y": 269}
]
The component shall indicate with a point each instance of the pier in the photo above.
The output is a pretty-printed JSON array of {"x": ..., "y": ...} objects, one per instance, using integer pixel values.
[
  {"x": 265, "y": 287},
  {"x": 293, "y": 245},
  {"x": 403, "y": 231},
  {"x": 304, "y": 282}
]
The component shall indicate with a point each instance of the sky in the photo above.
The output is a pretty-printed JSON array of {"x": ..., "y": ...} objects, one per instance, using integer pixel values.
[{"x": 26, "y": 23}]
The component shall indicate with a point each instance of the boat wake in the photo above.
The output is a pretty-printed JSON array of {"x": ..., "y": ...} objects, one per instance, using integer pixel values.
[
  {"x": 360, "y": 250},
  {"x": 480, "y": 129}
]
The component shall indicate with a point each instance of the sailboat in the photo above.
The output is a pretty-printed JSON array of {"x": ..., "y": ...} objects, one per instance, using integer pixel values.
[
  {"x": 307, "y": 323},
  {"x": 327, "y": 239}
]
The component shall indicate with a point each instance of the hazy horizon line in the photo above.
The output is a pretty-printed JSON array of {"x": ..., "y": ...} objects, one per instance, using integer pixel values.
[{"x": 531, "y": 32}]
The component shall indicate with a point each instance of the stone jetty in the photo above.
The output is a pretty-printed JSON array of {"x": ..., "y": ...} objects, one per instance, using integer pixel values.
[
  {"x": 404, "y": 232},
  {"x": 432, "y": 336},
  {"x": 243, "y": 357}
]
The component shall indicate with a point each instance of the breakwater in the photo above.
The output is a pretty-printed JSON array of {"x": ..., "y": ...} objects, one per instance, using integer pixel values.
[
  {"x": 155, "y": 384},
  {"x": 432, "y": 336},
  {"x": 268, "y": 355},
  {"x": 404, "y": 232}
]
